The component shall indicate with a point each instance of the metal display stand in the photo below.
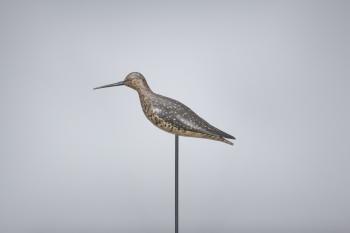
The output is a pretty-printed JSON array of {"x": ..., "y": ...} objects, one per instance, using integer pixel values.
[{"x": 176, "y": 183}]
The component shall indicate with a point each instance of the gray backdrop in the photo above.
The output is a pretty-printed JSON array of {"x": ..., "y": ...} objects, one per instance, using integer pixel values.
[{"x": 273, "y": 74}]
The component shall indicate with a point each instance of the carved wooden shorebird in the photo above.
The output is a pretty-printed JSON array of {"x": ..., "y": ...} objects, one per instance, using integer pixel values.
[{"x": 169, "y": 114}]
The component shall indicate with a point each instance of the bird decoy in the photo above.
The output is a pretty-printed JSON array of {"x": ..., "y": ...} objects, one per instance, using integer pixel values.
[{"x": 169, "y": 114}]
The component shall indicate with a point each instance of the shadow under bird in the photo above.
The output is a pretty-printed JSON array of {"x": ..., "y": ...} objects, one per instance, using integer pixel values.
[{"x": 169, "y": 114}]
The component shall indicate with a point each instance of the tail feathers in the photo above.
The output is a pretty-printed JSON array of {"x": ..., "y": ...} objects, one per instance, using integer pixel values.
[
  {"x": 218, "y": 138},
  {"x": 229, "y": 136},
  {"x": 226, "y": 141},
  {"x": 223, "y": 134},
  {"x": 218, "y": 135}
]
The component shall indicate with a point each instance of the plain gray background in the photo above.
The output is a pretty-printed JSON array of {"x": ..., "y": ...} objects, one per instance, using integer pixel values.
[{"x": 275, "y": 74}]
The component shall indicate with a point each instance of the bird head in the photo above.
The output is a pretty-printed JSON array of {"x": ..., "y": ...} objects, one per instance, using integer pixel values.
[{"x": 133, "y": 80}]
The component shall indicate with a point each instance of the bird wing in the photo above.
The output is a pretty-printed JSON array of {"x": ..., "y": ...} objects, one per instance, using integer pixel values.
[{"x": 176, "y": 113}]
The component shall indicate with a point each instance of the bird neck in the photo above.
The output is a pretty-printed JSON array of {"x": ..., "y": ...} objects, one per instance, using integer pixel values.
[{"x": 144, "y": 89}]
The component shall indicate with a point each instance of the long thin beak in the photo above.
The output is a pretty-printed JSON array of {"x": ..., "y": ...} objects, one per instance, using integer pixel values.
[{"x": 111, "y": 85}]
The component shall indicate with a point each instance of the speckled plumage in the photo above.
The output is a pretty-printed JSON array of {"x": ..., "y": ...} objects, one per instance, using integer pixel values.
[{"x": 171, "y": 115}]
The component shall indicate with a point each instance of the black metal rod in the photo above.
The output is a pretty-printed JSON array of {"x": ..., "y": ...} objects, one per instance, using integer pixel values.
[{"x": 176, "y": 183}]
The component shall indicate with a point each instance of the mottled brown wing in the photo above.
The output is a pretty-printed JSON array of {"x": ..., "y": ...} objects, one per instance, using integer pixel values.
[{"x": 176, "y": 113}]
